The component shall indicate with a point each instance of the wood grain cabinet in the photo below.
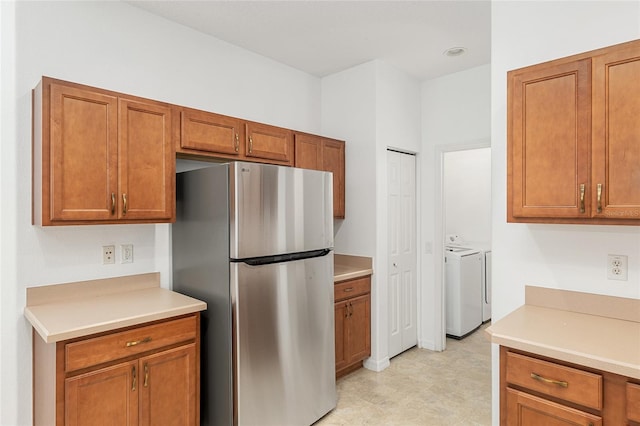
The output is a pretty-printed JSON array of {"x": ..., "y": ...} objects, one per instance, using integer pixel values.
[
  {"x": 320, "y": 153},
  {"x": 100, "y": 156},
  {"x": 538, "y": 391},
  {"x": 265, "y": 142},
  {"x": 574, "y": 140},
  {"x": 204, "y": 133},
  {"x": 352, "y": 324},
  {"x": 144, "y": 375}
]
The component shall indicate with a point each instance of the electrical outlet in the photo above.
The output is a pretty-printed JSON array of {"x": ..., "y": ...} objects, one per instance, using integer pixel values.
[
  {"x": 617, "y": 267},
  {"x": 126, "y": 253},
  {"x": 108, "y": 254}
]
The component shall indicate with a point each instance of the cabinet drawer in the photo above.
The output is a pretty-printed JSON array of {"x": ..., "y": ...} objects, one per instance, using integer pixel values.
[
  {"x": 352, "y": 288},
  {"x": 633, "y": 402},
  {"x": 98, "y": 350},
  {"x": 569, "y": 384}
]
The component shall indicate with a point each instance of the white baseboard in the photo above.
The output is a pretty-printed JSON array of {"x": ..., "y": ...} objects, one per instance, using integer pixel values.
[{"x": 377, "y": 366}]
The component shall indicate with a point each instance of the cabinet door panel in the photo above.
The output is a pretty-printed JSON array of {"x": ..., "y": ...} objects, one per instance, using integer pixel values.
[
  {"x": 83, "y": 154},
  {"x": 616, "y": 131},
  {"x": 146, "y": 165},
  {"x": 105, "y": 397},
  {"x": 210, "y": 132},
  {"x": 308, "y": 152},
  {"x": 333, "y": 161},
  {"x": 527, "y": 410},
  {"x": 341, "y": 314},
  {"x": 550, "y": 140},
  {"x": 168, "y": 392},
  {"x": 359, "y": 326},
  {"x": 269, "y": 143}
]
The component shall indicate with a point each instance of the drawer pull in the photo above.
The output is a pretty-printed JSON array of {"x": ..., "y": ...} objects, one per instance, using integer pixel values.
[
  {"x": 539, "y": 378},
  {"x": 137, "y": 342},
  {"x": 347, "y": 290}
]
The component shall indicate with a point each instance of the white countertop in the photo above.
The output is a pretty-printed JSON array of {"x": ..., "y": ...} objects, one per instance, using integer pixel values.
[
  {"x": 601, "y": 342},
  {"x": 66, "y": 311}
]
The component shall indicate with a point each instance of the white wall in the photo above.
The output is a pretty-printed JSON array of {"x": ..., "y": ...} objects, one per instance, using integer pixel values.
[
  {"x": 119, "y": 47},
  {"x": 373, "y": 106},
  {"x": 467, "y": 194},
  {"x": 570, "y": 257},
  {"x": 456, "y": 113}
]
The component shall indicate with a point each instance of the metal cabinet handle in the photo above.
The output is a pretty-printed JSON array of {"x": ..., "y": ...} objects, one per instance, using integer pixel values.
[
  {"x": 146, "y": 375},
  {"x": 237, "y": 143},
  {"x": 137, "y": 342},
  {"x": 539, "y": 378},
  {"x": 135, "y": 378},
  {"x": 348, "y": 290},
  {"x": 250, "y": 144},
  {"x": 350, "y": 309},
  {"x": 599, "y": 191},
  {"x": 582, "y": 198},
  {"x": 124, "y": 204},
  {"x": 113, "y": 203}
]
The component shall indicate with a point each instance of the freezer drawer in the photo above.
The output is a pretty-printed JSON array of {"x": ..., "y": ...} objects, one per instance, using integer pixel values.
[{"x": 284, "y": 341}]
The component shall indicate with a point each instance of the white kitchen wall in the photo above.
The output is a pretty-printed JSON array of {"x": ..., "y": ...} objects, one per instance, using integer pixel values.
[
  {"x": 456, "y": 111},
  {"x": 114, "y": 46},
  {"x": 467, "y": 194},
  {"x": 373, "y": 106},
  {"x": 570, "y": 257}
]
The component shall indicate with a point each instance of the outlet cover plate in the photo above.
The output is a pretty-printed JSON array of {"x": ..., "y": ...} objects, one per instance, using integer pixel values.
[
  {"x": 617, "y": 267},
  {"x": 126, "y": 251},
  {"x": 108, "y": 254}
]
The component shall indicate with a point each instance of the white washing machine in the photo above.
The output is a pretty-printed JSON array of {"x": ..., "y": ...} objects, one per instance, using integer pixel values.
[
  {"x": 485, "y": 249},
  {"x": 463, "y": 292}
]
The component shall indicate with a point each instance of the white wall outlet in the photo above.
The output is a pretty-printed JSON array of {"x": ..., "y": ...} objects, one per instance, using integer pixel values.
[
  {"x": 617, "y": 267},
  {"x": 108, "y": 254},
  {"x": 126, "y": 253}
]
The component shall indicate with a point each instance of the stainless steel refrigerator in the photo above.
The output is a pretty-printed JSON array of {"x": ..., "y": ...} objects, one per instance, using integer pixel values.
[{"x": 255, "y": 242}]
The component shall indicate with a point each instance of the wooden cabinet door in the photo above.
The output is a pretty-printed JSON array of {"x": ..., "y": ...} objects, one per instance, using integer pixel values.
[
  {"x": 80, "y": 177},
  {"x": 333, "y": 161},
  {"x": 146, "y": 161},
  {"x": 105, "y": 397},
  {"x": 341, "y": 334},
  {"x": 168, "y": 388},
  {"x": 549, "y": 141},
  {"x": 616, "y": 134},
  {"x": 205, "y": 131},
  {"x": 308, "y": 152},
  {"x": 359, "y": 328},
  {"x": 269, "y": 143},
  {"x": 524, "y": 409}
]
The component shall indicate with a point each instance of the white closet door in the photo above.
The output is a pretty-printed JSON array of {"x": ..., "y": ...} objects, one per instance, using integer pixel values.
[{"x": 401, "y": 205}]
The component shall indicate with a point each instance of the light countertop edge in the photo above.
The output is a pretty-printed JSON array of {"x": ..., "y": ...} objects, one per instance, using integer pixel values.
[
  {"x": 577, "y": 338},
  {"x": 347, "y": 267},
  {"x": 78, "y": 317}
]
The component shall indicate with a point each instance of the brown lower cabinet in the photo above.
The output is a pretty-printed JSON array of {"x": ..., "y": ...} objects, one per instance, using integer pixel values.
[
  {"x": 352, "y": 324},
  {"x": 142, "y": 375},
  {"x": 536, "y": 390}
]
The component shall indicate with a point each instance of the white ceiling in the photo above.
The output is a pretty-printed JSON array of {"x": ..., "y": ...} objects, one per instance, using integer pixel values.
[{"x": 324, "y": 37}]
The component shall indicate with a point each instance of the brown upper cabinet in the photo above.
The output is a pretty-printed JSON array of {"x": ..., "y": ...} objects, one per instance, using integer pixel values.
[
  {"x": 206, "y": 134},
  {"x": 100, "y": 156},
  {"x": 320, "y": 153},
  {"x": 574, "y": 139}
]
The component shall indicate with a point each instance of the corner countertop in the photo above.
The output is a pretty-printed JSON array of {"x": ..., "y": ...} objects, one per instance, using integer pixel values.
[
  {"x": 65, "y": 311},
  {"x": 346, "y": 267},
  {"x": 596, "y": 331}
]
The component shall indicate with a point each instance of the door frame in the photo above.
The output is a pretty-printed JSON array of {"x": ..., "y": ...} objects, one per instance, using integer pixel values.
[{"x": 440, "y": 334}]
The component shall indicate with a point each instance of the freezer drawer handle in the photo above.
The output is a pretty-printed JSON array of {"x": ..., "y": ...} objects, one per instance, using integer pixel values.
[
  {"x": 539, "y": 378},
  {"x": 137, "y": 342}
]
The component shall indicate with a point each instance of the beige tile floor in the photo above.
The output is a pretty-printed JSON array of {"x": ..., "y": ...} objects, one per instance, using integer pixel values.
[{"x": 421, "y": 387}]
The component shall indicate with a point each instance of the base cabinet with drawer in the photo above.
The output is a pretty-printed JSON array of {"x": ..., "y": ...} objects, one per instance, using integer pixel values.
[
  {"x": 536, "y": 390},
  {"x": 142, "y": 375},
  {"x": 352, "y": 324}
]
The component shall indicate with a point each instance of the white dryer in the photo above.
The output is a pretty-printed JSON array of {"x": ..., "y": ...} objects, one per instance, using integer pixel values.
[{"x": 463, "y": 292}]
